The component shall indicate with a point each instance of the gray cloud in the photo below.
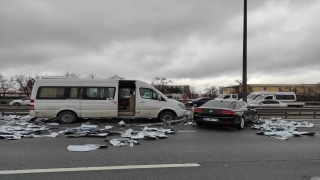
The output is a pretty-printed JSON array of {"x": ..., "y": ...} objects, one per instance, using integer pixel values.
[{"x": 186, "y": 41}]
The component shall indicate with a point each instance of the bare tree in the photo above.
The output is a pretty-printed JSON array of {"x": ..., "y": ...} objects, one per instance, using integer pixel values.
[
  {"x": 159, "y": 83},
  {"x": 308, "y": 92},
  {"x": 210, "y": 91},
  {"x": 25, "y": 83},
  {"x": 239, "y": 88},
  {"x": 5, "y": 84},
  {"x": 91, "y": 76},
  {"x": 71, "y": 74},
  {"x": 191, "y": 92},
  {"x": 116, "y": 77}
]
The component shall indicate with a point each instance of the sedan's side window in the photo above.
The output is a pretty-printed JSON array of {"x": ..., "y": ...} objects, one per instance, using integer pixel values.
[{"x": 274, "y": 102}]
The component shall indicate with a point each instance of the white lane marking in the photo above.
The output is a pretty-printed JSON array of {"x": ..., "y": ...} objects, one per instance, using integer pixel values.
[
  {"x": 28, "y": 171},
  {"x": 187, "y": 131}
]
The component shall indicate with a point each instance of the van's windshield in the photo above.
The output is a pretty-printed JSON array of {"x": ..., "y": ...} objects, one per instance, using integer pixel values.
[
  {"x": 251, "y": 96},
  {"x": 259, "y": 97},
  {"x": 221, "y": 96}
]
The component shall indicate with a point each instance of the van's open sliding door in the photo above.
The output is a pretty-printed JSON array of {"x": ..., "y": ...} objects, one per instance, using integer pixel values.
[{"x": 100, "y": 99}]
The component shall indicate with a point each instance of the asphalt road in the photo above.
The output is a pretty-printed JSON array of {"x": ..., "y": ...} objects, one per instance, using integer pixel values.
[{"x": 191, "y": 153}]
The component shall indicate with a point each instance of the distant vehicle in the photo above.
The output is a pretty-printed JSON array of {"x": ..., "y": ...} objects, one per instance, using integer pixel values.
[
  {"x": 68, "y": 99},
  {"x": 280, "y": 96},
  {"x": 267, "y": 103},
  {"x": 227, "y": 96},
  {"x": 234, "y": 113},
  {"x": 198, "y": 102},
  {"x": 22, "y": 101}
]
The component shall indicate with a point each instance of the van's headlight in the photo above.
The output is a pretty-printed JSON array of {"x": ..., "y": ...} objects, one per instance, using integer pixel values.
[{"x": 182, "y": 105}]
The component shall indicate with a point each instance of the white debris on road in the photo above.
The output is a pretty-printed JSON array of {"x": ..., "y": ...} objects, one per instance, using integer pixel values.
[
  {"x": 281, "y": 129},
  {"x": 14, "y": 128},
  {"x": 86, "y": 147}
]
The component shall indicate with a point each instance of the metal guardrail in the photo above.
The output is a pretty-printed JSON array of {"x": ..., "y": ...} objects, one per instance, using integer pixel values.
[
  {"x": 290, "y": 111},
  {"x": 312, "y": 102},
  {"x": 14, "y": 111}
]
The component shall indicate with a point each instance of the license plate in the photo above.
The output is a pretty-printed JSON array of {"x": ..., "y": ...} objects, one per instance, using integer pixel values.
[{"x": 210, "y": 119}]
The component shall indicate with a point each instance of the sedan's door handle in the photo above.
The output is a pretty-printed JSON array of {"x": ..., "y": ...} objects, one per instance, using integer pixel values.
[{"x": 142, "y": 102}]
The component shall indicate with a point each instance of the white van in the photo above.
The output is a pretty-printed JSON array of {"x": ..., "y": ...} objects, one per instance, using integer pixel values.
[
  {"x": 265, "y": 95},
  {"x": 227, "y": 96},
  {"x": 71, "y": 98}
]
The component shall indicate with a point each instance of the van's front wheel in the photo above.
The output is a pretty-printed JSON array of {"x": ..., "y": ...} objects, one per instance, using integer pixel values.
[
  {"x": 67, "y": 117},
  {"x": 167, "y": 116}
]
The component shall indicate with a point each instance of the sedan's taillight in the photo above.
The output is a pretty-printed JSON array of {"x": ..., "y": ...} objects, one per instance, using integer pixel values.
[
  {"x": 227, "y": 112},
  {"x": 197, "y": 110},
  {"x": 32, "y": 104}
]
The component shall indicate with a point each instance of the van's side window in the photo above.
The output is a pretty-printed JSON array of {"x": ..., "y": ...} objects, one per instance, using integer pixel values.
[
  {"x": 148, "y": 93},
  {"x": 58, "y": 92},
  {"x": 98, "y": 93}
]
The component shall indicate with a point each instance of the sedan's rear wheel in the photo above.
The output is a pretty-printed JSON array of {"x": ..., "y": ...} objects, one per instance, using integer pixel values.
[
  {"x": 199, "y": 123},
  {"x": 67, "y": 117},
  {"x": 240, "y": 126},
  {"x": 255, "y": 118},
  {"x": 16, "y": 104}
]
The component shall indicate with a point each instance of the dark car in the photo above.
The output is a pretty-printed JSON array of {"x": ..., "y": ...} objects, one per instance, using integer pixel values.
[
  {"x": 198, "y": 102},
  {"x": 234, "y": 113}
]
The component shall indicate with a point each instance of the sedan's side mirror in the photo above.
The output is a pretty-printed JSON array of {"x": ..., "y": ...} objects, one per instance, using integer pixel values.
[
  {"x": 195, "y": 105},
  {"x": 159, "y": 97}
]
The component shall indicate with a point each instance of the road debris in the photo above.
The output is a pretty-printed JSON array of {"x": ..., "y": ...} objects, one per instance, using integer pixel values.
[
  {"x": 86, "y": 147},
  {"x": 281, "y": 129}
]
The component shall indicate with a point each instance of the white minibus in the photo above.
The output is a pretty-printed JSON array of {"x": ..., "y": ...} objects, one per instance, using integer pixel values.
[
  {"x": 280, "y": 96},
  {"x": 68, "y": 98}
]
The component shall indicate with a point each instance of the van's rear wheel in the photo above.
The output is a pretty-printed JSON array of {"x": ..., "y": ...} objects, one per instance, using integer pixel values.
[
  {"x": 167, "y": 116},
  {"x": 67, "y": 117}
]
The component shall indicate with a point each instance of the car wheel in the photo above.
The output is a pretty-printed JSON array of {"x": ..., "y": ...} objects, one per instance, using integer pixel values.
[
  {"x": 167, "y": 116},
  {"x": 199, "y": 123},
  {"x": 16, "y": 104},
  {"x": 240, "y": 126},
  {"x": 67, "y": 117},
  {"x": 255, "y": 118}
]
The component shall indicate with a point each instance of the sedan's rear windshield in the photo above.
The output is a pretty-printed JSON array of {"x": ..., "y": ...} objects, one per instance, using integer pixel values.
[{"x": 222, "y": 104}]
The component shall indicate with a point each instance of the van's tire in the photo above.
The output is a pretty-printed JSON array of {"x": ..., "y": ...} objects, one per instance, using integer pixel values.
[
  {"x": 167, "y": 116},
  {"x": 67, "y": 117},
  {"x": 16, "y": 104},
  {"x": 240, "y": 126}
]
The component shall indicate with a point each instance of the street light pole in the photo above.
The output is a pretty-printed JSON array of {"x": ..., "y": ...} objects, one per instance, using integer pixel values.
[{"x": 244, "y": 66}]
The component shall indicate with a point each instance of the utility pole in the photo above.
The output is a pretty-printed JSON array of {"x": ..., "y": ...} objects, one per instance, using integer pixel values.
[{"x": 244, "y": 66}]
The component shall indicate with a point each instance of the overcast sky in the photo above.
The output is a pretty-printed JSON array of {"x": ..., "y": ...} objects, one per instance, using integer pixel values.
[{"x": 191, "y": 42}]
